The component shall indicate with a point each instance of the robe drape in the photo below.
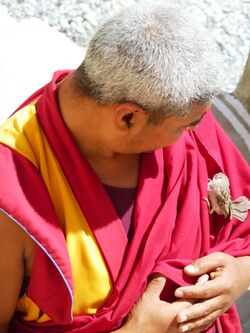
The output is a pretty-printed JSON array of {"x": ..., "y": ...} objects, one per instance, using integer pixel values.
[{"x": 172, "y": 224}]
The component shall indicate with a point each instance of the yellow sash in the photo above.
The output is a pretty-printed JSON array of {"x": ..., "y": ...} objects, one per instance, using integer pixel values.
[{"x": 91, "y": 280}]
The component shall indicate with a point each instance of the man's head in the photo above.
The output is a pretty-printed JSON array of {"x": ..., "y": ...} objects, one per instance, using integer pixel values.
[{"x": 154, "y": 56}]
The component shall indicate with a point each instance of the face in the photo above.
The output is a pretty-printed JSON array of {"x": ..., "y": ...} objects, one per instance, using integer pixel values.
[{"x": 152, "y": 137}]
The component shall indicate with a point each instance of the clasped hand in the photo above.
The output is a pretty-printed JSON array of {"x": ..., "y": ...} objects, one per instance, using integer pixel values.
[
  {"x": 229, "y": 279},
  {"x": 221, "y": 280},
  {"x": 150, "y": 314}
]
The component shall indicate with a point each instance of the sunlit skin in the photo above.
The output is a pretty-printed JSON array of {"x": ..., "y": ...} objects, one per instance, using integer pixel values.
[
  {"x": 121, "y": 128},
  {"x": 111, "y": 137}
]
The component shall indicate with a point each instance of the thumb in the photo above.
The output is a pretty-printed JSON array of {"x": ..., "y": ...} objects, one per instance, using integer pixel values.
[
  {"x": 207, "y": 264},
  {"x": 156, "y": 286}
]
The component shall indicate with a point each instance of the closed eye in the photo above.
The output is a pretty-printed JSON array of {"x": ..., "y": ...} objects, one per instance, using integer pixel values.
[
  {"x": 192, "y": 125},
  {"x": 196, "y": 122}
]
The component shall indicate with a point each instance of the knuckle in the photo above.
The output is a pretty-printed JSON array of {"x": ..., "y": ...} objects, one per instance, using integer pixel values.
[
  {"x": 203, "y": 328},
  {"x": 222, "y": 257},
  {"x": 197, "y": 327},
  {"x": 189, "y": 292},
  {"x": 219, "y": 258},
  {"x": 158, "y": 280},
  {"x": 208, "y": 321},
  {"x": 225, "y": 304},
  {"x": 207, "y": 311},
  {"x": 204, "y": 325},
  {"x": 206, "y": 292},
  {"x": 196, "y": 330},
  {"x": 199, "y": 262}
]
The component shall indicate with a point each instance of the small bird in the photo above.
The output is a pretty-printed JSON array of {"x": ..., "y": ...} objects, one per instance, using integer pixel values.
[{"x": 219, "y": 199}]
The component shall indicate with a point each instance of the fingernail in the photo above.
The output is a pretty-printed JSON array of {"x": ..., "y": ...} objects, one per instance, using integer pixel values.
[
  {"x": 184, "y": 328},
  {"x": 178, "y": 293},
  {"x": 191, "y": 269},
  {"x": 182, "y": 318}
]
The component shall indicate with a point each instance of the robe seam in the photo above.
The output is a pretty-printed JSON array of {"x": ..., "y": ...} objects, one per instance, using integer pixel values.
[{"x": 47, "y": 254}]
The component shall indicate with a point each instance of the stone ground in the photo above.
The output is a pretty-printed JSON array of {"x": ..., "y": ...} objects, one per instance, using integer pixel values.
[
  {"x": 236, "y": 122},
  {"x": 54, "y": 51},
  {"x": 243, "y": 306}
]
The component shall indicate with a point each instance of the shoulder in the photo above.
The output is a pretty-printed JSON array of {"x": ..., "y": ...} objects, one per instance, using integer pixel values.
[
  {"x": 11, "y": 234},
  {"x": 13, "y": 265},
  {"x": 15, "y": 243}
]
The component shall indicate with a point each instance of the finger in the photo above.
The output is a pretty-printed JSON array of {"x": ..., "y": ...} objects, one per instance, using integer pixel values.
[
  {"x": 201, "y": 324},
  {"x": 155, "y": 286},
  {"x": 201, "y": 309},
  {"x": 202, "y": 279},
  {"x": 207, "y": 264},
  {"x": 218, "y": 272},
  {"x": 182, "y": 304},
  {"x": 206, "y": 290}
]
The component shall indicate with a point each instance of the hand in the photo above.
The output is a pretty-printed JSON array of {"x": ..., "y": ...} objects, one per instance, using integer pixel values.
[
  {"x": 228, "y": 280},
  {"x": 150, "y": 314}
]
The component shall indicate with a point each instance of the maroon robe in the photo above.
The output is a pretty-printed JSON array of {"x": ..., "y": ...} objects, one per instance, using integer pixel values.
[{"x": 172, "y": 225}]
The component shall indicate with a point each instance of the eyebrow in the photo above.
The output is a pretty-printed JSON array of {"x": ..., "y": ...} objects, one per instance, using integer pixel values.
[{"x": 196, "y": 122}]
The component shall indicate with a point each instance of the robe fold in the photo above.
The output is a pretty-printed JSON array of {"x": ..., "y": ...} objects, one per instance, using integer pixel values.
[{"x": 172, "y": 224}]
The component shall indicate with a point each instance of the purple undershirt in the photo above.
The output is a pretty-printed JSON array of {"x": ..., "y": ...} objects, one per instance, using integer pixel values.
[{"x": 123, "y": 200}]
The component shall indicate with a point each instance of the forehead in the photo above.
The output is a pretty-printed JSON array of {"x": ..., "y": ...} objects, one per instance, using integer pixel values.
[{"x": 196, "y": 112}]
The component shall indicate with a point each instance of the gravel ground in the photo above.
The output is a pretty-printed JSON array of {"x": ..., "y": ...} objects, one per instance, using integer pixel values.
[{"x": 227, "y": 20}]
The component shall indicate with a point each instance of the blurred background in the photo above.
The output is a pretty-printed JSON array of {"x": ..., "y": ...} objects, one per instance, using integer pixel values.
[{"x": 227, "y": 20}]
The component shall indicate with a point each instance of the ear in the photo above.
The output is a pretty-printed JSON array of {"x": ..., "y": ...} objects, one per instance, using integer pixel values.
[{"x": 129, "y": 116}]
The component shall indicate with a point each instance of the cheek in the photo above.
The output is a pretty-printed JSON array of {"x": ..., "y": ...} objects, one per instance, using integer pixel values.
[{"x": 172, "y": 137}]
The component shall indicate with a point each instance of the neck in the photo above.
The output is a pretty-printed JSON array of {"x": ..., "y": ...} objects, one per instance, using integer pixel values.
[
  {"x": 79, "y": 113},
  {"x": 85, "y": 121}
]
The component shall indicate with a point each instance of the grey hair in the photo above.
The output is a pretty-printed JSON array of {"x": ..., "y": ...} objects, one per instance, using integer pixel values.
[{"x": 155, "y": 56}]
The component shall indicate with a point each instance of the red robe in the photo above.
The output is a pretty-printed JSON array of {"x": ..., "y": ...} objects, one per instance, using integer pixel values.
[{"x": 172, "y": 225}]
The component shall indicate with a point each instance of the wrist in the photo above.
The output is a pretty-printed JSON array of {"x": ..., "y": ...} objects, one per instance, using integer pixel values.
[
  {"x": 244, "y": 262},
  {"x": 129, "y": 327}
]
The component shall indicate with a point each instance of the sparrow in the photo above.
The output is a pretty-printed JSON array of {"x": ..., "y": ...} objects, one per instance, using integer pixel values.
[{"x": 219, "y": 199}]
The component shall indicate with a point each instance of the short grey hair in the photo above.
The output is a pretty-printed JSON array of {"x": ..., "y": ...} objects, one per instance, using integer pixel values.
[{"x": 155, "y": 56}]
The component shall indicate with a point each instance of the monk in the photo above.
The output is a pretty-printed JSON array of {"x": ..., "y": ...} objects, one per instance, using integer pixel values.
[{"x": 106, "y": 222}]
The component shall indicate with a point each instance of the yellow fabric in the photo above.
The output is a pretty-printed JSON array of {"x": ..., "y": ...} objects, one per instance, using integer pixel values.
[
  {"x": 92, "y": 283},
  {"x": 30, "y": 310}
]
